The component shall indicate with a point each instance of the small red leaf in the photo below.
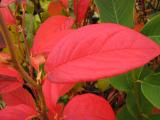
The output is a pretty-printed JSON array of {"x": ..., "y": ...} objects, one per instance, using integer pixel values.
[
  {"x": 18, "y": 96},
  {"x": 64, "y": 3},
  {"x": 88, "y": 107},
  {"x": 55, "y": 8},
  {"x": 80, "y": 9},
  {"x": 18, "y": 112},
  {"x": 98, "y": 51},
  {"x": 8, "y": 17},
  {"x": 9, "y": 79},
  {"x": 49, "y": 33},
  {"x": 53, "y": 92}
]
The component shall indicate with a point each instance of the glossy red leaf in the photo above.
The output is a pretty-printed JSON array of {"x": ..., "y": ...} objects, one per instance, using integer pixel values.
[
  {"x": 18, "y": 96},
  {"x": 49, "y": 33},
  {"x": 88, "y": 107},
  {"x": 18, "y": 112},
  {"x": 9, "y": 79},
  {"x": 8, "y": 17},
  {"x": 98, "y": 51},
  {"x": 80, "y": 9},
  {"x": 53, "y": 92}
]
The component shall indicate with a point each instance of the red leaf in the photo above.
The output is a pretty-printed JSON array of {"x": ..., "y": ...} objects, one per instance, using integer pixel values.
[
  {"x": 55, "y": 8},
  {"x": 88, "y": 107},
  {"x": 9, "y": 79},
  {"x": 6, "y": 2},
  {"x": 64, "y": 3},
  {"x": 49, "y": 33},
  {"x": 8, "y": 17},
  {"x": 56, "y": 113},
  {"x": 2, "y": 42},
  {"x": 80, "y": 9},
  {"x": 19, "y": 112},
  {"x": 18, "y": 96},
  {"x": 44, "y": 47},
  {"x": 53, "y": 92},
  {"x": 98, "y": 51}
]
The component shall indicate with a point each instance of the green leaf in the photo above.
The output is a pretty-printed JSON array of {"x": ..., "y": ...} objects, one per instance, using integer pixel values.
[
  {"x": 151, "y": 89},
  {"x": 124, "y": 115},
  {"x": 117, "y": 11},
  {"x": 145, "y": 107},
  {"x": 152, "y": 29},
  {"x": 131, "y": 105},
  {"x": 143, "y": 72},
  {"x": 155, "y": 117},
  {"x": 30, "y": 7},
  {"x": 122, "y": 82}
]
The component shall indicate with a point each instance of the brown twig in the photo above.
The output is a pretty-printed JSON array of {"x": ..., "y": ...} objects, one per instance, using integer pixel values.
[{"x": 19, "y": 68}]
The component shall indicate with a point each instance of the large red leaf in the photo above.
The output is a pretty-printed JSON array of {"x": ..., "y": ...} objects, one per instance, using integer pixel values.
[
  {"x": 18, "y": 96},
  {"x": 80, "y": 9},
  {"x": 18, "y": 112},
  {"x": 8, "y": 17},
  {"x": 53, "y": 92},
  {"x": 88, "y": 107},
  {"x": 98, "y": 51},
  {"x": 50, "y": 32},
  {"x": 9, "y": 79}
]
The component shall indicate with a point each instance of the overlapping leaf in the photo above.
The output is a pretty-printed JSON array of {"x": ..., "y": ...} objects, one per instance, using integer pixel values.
[
  {"x": 7, "y": 16},
  {"x": 65, "y": 3},
  {"x": 55, "y": 8},
  {"x": 18, "y": 96},
  {"x": 50, "y": 32},
  {"x": 80, "y": 9},
  {"x": 152, "y": 30},
  {"x": 18, "y": 112},
  {"x": 88, "y": 107},
  {"x": 151, "y": 85},
  {"x": 53, "y": 92},
  {"x": 97, "y": 51},
  {"x": 9, "y": 79},
  {"x": 116, "y": 11},
  {"x": 6, "y": 2}
]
